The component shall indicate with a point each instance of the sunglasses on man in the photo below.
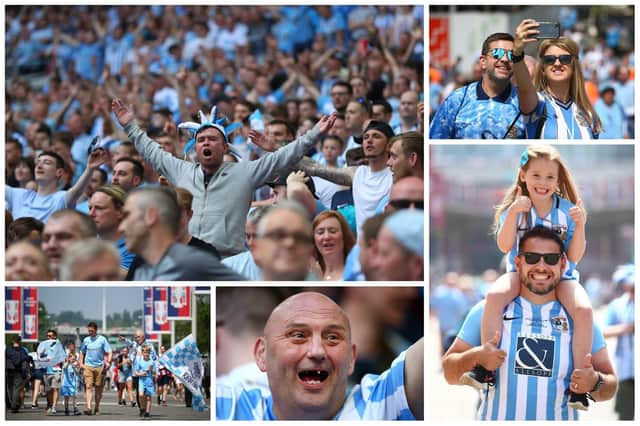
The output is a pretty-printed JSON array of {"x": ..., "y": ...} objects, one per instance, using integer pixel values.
[
  {"x": 405, "y": 204},
  {"x": 498, "y": 53},
  {"x": 533, "y": 258}
]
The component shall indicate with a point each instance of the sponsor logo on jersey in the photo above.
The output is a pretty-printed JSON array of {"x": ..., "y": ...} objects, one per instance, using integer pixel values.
[{"x": 534, "y": 355}]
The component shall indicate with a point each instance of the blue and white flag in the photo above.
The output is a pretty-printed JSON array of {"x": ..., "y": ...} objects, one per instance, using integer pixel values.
[
  {"x": 50, "y": 353},
  {"x": 185, "y": 363}
]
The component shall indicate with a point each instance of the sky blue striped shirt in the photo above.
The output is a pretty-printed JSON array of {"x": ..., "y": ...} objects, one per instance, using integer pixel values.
[
  {"x": 377, "y": 397},
  {"x": 531, "y": 382}
]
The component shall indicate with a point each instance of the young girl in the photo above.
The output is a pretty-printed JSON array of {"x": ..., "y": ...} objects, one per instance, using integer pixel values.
[
  {"x": 70, "y": 383},
  {"x": 164, "y": 381},
  {"x": 146, "y": 371},
  {"x": 543, "y": 194}
]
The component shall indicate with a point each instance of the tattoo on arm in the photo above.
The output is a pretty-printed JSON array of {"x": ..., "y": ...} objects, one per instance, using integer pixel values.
[{"x": 343, "y": 176}]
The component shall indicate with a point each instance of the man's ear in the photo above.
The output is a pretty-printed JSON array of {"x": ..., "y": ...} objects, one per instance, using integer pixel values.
[
  {"x": 517, "y": 262},
  {"x": 413, "y": 159},
  {"x": 259, "y": 353},
  {"x": 352, "y": 362}
]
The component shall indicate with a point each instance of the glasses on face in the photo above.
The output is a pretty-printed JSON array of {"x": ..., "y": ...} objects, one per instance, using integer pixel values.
[
  {"x": 551, "y": 59},
  {"x": 405, "y": 204},
  {"x": 279, "y": 235},
  {"x": 498, "y": 53},
  {"x": 533, "y": 258},
  {"x": 50, "y": 336},
  {"x": 333, "y": 94}
]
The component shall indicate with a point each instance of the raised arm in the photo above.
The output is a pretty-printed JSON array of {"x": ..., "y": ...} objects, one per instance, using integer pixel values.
[
  {"x": 527, "y": 97},
  {"x": 414, "y": 378},
  {"x": 506, "y": 236},
  {"x": 578, "y": 243},
  {"x": 341, "y": 176},
  {"x": 96, "y": 158}
]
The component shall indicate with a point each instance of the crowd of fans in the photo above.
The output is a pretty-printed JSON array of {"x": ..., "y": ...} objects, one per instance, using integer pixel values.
[{"x": 82, "y": 80}]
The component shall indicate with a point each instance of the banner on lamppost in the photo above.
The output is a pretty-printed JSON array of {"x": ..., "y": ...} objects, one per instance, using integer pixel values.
[
  {"x": 161, "y": 324},
  {"x": 147, "y": 297},
  {"x": 12, "y": 310},
  {"x": 29, "y": 314},
  {"x": 179, "y": 303}
]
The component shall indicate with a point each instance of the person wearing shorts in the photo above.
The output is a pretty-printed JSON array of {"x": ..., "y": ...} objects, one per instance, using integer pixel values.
[
  {"x": 92, "y": 361},
  {"x": 125, "y": 376},
  {"x": 145, "y": 370},
  {"x": 52, "y": 378}
]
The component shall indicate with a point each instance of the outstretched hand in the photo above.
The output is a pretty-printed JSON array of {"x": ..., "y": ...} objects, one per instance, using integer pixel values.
[
  {"x": 525, "y": 33},
  {"x": 326, "y": 122},
  {"x": 124, "y": 113},
  {"x": 261, "y": 140},
  {"x": 96, "y": 158}
]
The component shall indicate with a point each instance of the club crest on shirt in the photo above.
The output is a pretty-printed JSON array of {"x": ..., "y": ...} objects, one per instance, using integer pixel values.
[
  {"x": 560, "y": 323},
  {"x": 534, "y": 355}
]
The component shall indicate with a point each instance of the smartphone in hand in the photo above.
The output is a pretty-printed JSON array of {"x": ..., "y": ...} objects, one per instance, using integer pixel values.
[{"x": 548, "y": 30}]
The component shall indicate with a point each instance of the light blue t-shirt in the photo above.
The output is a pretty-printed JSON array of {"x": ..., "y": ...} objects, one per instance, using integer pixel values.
[
  {"x": 377, "y": 397},
  {"x": 27, "y": 203},
  {"x": 621, "y": 311},
  {"x": 531, "y": 382},
  {"x": 147, "y": 367},
  {"x": 94, "y": 350},
  {"x": 244, "y": 265}
]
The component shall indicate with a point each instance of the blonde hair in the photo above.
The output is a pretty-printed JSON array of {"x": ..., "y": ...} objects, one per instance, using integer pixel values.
[
  {"x": 566, "y": 186},
  {"x": 577, "y": 92}
]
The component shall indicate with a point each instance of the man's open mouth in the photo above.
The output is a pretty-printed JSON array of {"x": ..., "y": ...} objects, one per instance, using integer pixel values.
[
  {"x": 206, "y": 152},
  {"x": 313, "y": 377}
]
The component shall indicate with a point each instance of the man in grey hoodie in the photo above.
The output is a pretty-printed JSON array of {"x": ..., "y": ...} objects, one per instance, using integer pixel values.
[{"x": 222, "y": 192}]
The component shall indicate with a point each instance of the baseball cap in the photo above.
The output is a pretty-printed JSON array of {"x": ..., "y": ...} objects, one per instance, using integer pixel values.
[
  {"x": 407, "y": 227},
  {"x": 381, "y": 126},
  {"x": 281, "y": 180}
]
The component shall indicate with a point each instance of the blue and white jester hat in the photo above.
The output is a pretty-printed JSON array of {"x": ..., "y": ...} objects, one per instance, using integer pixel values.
[{"x": 211, "y": 121}]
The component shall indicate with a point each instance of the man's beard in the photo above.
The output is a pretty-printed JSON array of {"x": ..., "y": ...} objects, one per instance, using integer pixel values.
[{"x": 539, "y": 291}]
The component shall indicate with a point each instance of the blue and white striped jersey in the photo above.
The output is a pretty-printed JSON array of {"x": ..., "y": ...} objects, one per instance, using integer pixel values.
[
  {"x": 621, "y": 311},
  {"x": 531, "y": 382},
  {"x": 377, "y": 397},
  {"x": 553, "y": 119},
  {"x": 469, "y": 113},
  {"x": 557, "y": 219}
]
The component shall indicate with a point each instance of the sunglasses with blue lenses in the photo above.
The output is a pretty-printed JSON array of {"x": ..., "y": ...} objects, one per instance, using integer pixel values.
[
  {"x": 533, "y": 258},
  {"x": 551, "y": 59},
  {"x": 498, "y": 53}
]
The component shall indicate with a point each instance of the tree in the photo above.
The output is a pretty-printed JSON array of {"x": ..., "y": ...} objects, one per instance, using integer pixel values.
[{"x": 183, "y": 328}]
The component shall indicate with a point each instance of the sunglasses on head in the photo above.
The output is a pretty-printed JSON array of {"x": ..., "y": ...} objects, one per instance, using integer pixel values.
[
  {"x": 549, "y": 258},
  {"x": 405, "y": 204},
  {"x": 551, "y": 59},
  {"x": 498, "y": 53}
]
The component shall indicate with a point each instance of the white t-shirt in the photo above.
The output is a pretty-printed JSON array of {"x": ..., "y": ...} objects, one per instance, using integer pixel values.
[{"x": 368, "y": 189}]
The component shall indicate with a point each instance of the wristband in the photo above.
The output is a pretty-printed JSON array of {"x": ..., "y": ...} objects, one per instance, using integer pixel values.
[
  {"x": 517, "y": 58},
  {"x": 598, "y": 384}
]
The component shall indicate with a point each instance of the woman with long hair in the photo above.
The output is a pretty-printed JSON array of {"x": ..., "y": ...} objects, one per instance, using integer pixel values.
[
  {"x": 333, "y": 240},
  {"x": 555, "y": 104}
]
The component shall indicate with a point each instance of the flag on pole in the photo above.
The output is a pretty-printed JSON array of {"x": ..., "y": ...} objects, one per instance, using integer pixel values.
[
  {"x": 179, "y": 303},
  {"x": 149, "y": 334},
  {"x": 161, "y": 324},
  {"x": 50, "y": 353},
  {"x": 185, "y": 363},
  {"x": 29, "y": 314},
  {"x": 13, "y": 309}
]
